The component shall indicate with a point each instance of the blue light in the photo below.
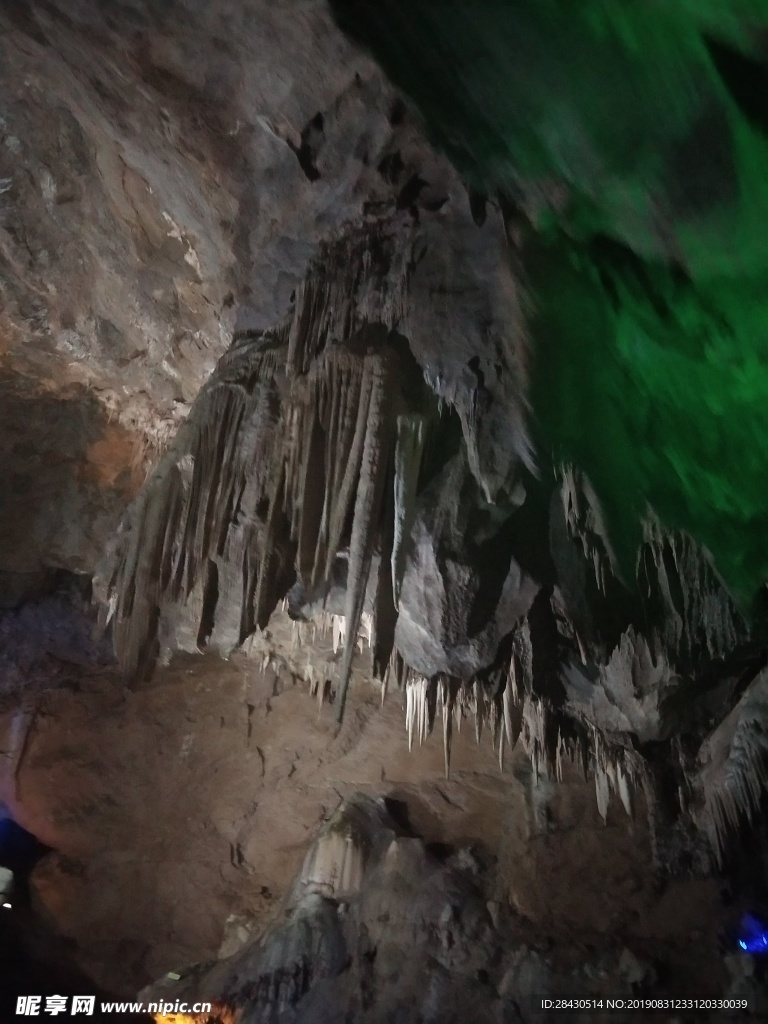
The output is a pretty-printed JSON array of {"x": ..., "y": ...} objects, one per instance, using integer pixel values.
[{"x": 755, "y": 935}]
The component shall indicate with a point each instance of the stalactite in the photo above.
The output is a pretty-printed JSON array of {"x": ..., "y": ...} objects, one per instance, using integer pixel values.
[
  {"x": 733, "y": 765},
  {"x": 385, "y": 614},
  {"x": 349, "y": 481},
  {"x": 334, "y": 628},
  {"x": 492, "y": 702},
  {"x": 422, "y": 709},
  {"x": 446, "y": 700},
  {"x": 533, "y": 735},
  {"x": 287, "y": 444},
  {"x": 303, "y": 450},
  {"x": 179, "y": 524},
  {"x": 411, "y": 438},
  {"x": 509, "y": 697},
  {"x": 602, "y": 791},
  {"x": 506, "y": 704},
  {"x": 317, "y": 686},
  {"x": 263, "y": 595},
  {"x": 478, "y": 712},
  {"x": 339, "y": 632},
  {"x": 613, "y": 773},
  {"x": 373, "y": 474},
  {"x": 417, "y": 713},
  {"x": 698, "y": 610},
  {"x": 585, "y": 522},
  {"x": 625, "y": 790}
]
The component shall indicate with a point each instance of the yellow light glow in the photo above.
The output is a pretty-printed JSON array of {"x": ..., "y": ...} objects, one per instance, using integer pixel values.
[{"x": 218, "y": 1014}]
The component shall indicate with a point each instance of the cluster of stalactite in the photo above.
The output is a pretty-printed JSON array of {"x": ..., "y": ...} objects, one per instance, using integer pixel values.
[
  {"x": 679, "y": 657},
  {"x": 699, "y": 615},
  {"x": 503, "y": 704},
  {"x": 691, "y": 621},
  {"x": 733, "y": 764},
  {"x": 306, "y": 441},
  {"x": 306, "y": 449}
]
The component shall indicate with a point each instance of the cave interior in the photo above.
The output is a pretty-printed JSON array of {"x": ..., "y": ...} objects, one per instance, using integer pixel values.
[{"x": 383, "y": 518}]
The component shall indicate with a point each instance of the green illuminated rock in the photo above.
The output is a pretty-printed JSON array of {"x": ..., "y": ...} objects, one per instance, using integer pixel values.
[{"x": 635, "y": 138}]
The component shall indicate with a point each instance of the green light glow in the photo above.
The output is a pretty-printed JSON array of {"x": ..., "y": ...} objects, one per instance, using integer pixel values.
[{"x": 651, "y": 287}]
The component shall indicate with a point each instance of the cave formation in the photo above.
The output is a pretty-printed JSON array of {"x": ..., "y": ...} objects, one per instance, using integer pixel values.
[{"x": 382, "y": 527}]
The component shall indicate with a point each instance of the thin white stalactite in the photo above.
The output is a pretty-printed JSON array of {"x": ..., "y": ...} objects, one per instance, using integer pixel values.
[
  {"x": 602, "y": 791},
  {"x": 410, "y": 712},
  {"x": 445, "y": 702},
  {"x": 508, "y": 696}
]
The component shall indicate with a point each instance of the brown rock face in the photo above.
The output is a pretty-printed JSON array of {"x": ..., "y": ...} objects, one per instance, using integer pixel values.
[
  {"x": 67, "y": 474},
  {"x": 168, "y": 173}
]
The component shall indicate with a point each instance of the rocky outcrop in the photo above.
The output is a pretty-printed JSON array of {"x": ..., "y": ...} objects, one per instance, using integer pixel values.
[
  {"x": 380, "y": 927},
  {"x": 169, "y": 175},
  {"x": 325, "y": 465},
  {"x": 309, "y": 441}
]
